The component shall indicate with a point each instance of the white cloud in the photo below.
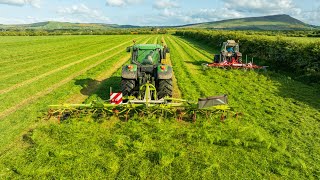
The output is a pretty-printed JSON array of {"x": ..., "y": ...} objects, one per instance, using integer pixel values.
[
  {"x": 205, "y": 15},
  {"x": 312, "y": 17},
  {"x": 84, "y": 14},
  {"x": 260, "y": 6},
  {"x": 120, "y": 3},
  {"x": 34, "y": 3},
  {"x": 165, "y": 4}
]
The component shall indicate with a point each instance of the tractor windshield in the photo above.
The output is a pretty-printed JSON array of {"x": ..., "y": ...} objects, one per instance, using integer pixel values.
[{"x": 147, "y": 54}]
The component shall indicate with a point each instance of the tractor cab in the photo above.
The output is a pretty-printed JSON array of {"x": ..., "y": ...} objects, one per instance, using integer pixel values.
[
  {"x": 229, "y": 48},
  {"x": 147, "y": 54},
  {"x": 229, "y": 52},
  {"x": 146, "y": 67}
]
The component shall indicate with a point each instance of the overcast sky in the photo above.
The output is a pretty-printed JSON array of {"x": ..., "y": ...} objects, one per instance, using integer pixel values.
[{"x": 155, "y": 12}]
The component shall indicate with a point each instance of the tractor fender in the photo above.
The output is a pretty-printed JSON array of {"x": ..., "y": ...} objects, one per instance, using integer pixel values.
[
  {"x": 129, "y": 71},
  {"x": 164, "y": 72}
]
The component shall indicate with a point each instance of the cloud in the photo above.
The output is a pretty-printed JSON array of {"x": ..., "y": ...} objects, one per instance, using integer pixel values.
[
  {"x": 84, "y": 14},
  {"x": 205, "y": 15},
  {"x": 34, "y": 3},
  {"x": 121, "y": 3},
  {"x": 311, "y": 17},
  {"x": 165, "y": 4},
  {"x": 260, "y": 6}
]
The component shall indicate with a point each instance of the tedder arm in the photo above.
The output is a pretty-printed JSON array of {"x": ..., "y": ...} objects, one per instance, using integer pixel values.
[{"x": 145, "y": 105}]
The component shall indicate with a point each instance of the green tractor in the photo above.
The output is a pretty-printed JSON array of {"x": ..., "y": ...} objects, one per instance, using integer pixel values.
[{"x": 147, "y": 67}]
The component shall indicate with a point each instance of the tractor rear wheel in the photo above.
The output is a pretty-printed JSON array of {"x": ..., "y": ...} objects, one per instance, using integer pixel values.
[
  {"x": 127, "y": 86},
  {"x": 165, "y": 88}
]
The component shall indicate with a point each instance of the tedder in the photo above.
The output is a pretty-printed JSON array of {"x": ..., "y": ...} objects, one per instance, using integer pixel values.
[
  {"x": 231, "y": 57},
  {"x": 146, "y": 91}
]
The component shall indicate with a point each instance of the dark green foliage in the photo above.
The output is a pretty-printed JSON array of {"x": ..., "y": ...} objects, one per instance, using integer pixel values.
[{"x": 300, "y": 58}]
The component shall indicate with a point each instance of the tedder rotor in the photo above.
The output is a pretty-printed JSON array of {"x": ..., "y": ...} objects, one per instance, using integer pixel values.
[
  {"x": 146, "y": 91},
  {"x": 231, "y": 57},
  {"x": 147, "y": 105}
]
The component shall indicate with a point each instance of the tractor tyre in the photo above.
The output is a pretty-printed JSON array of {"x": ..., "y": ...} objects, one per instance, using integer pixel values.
[
  {"x": 165, "y": 88},
  {"x": 127, "y": 86},
  {"x": 216, "y": 58}
]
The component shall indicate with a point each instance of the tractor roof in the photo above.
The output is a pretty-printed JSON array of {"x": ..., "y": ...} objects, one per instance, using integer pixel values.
[
  {"x": 147, "y": 46},
  {"x": 231, "y": 43}
]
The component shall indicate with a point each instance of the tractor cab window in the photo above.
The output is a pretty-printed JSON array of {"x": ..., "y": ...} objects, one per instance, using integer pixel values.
[
  {"x": 230, "y": 49},
  {"x": 148, "y": 56}
]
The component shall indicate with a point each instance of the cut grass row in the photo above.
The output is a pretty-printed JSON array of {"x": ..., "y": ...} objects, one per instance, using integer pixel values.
[
  {"x": 46, "y": 60},
  {"x": 13, "y": 52},
  {"x": 57, "y": 92},
  {"x": 22, "y": 62},
  {"x": 65, "y": 64}
]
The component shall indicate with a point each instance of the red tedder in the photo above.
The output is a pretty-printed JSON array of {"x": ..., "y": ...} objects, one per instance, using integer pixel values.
[{"x": 230, "y": 57}]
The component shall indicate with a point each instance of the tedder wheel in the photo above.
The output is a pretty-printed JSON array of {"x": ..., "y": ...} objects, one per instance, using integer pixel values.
[
  {"x": 127, "y": 86},
  {"x": 164, "y": 88}
]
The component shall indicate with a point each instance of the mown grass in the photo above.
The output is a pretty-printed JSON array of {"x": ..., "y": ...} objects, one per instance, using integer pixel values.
[
  {"x": 276, "y": 137},
  {"x": 17, "y": 122}
]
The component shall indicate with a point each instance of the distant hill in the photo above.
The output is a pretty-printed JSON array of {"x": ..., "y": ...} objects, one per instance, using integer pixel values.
[
  {"x": 53, "y": 25},
  {"x": 274, "y": 22}
]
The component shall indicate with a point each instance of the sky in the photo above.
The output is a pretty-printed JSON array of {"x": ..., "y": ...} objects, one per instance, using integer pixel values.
[{"x": 152, "y": 12}]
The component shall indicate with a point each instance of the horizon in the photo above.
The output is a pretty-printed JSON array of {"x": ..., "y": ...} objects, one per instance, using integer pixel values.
[
  {"x": 154, "y": 13},
  {"x": 151, "y": 26}
]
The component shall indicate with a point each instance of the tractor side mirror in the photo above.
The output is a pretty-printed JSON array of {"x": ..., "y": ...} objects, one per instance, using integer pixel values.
[
  {"x": 167, "y": 50},
  {"x": 128, "y": 49}
]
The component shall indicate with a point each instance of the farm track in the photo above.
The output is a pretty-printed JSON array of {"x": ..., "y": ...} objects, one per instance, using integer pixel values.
[
  {"x": 56, "y": 70},
  {"x": 51, "y": 63},
  {"x": 57, "y": 85},
  {"x": 61, "y": 52}
]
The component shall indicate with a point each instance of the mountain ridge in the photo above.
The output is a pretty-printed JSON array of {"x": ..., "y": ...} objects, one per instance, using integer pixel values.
[{"x": 272, "y": 22}]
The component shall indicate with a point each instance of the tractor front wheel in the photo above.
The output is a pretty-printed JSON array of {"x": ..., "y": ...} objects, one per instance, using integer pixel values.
[
  {"x": 127, "y": 86},
  {"x": 165, "y": 88}
]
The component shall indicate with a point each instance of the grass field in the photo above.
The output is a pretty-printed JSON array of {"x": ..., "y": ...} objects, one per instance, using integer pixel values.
[{"x": 276, "y": 137}]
